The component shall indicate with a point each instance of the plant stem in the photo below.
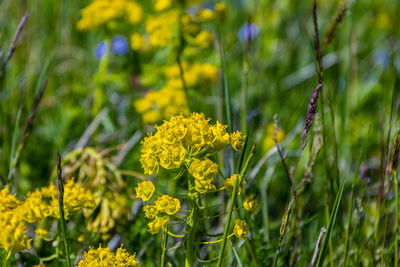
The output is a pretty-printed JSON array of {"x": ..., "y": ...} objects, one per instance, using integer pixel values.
[
  {"x": 231, "y": 205},
  {"x": 190, "y": 244},
  {"x": 7, "y": 258},
  {"x": 61, "y": 207},
  {"x": 164, "y": 249},
  {"x": 396, "y": 231}
]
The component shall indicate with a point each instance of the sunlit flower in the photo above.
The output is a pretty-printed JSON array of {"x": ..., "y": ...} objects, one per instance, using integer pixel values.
[
  {"x": 168, "y": 204},
  {"x": 250, "y": 204},
  {"x": 158, "y": 224},
  {"x": 150, "y": 211},
  {"x": 237, "y": 141},
  {"x": 241, "y": 228},
  {"x": 145, "y": 190},
  {"x": 229, "y": 184},
  {"x": 104, "y": 257}
]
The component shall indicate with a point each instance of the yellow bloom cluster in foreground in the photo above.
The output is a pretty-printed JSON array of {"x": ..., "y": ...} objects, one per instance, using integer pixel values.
[
  {"x": 40, "y": 204},
  {"x": 104, "y": 257},
  {"x": 100, "y": 12},
  {"x": 183, "y": 138}
]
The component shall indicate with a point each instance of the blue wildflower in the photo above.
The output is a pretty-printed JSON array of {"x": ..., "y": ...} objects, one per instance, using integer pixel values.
[
  {"x": 248, "y": 30},
  {"x": 101, "y": 49},
  {"x": 119, "y": 45}
]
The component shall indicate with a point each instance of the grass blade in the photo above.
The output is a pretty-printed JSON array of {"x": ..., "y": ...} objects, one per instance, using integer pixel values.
[{"x": 332, "y": 221}]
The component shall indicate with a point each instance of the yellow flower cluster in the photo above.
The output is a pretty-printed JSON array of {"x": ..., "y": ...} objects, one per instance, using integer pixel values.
[
  {"x": 208, "y": 15},
  {"x": 162, "y": 104},
  {"x": 145, "y": 190},
  {"x": 195, "y": 74},
  {"x": 13, "y": 236},
  {"x": 250, "y": 204},
  {"x": 100, "y": 12},
  {"x": 203, "y": 173},
  {"x": 241, "y": 228},
  {"x": 164, "y": 204},
  {"x": 161, "y": 27},
  {"x": 104, "y": 257},
  {"x": 44, "y": 203},
  {"x": 37, "y": 205},
  {"x": 158, "y": 224},
  {"x": 7, "y": 200},
  {"x": 188, "y": 139},
  {"x": 229, "y": 183},
  {"x": 268, "y": 141},
  {"x": 167, "y": 204}
]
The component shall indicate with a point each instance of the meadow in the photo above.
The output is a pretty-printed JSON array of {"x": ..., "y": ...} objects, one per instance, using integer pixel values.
[{"x": 199, "y": 133}]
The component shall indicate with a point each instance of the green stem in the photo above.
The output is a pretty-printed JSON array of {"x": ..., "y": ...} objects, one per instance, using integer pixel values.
[
  {"x": 243, "y": 110},
  {"x": 346, "y": 249},
  {"x": 231, "y": 205},
  {"x": 61, "y": 207},
  {"x": 396, "y": 231},
  {"x": 164, "y": 249},
  {"x": 190, "y": 244},
  {"x": 7, "y": 258}
]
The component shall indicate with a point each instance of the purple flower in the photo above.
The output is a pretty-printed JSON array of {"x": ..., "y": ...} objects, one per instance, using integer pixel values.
[
  {"x": 101, "y": 49},
  {"x": 248, "y": 30},
  {"x": 119, "y": 45}
]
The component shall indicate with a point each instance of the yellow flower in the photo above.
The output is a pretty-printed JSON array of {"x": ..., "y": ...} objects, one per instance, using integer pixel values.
[
  {"x": 149, "y": 163},
  {"x": 221, "y": 10},
  {"x": 237, "y": 141},
  {"x": 168, "y": 204},
  {"x": 269, "y": 141},
  {"x": 203, "y": 170},
  {"x": 160, "y": 28},
  {"x": 221, "y": 137},
  {"x": 250, "y": 204},
  {"x": 137, "y": 42},
  {"x": 169, "y": 147},
  {"x": 41, "y": 233},
  {"x": 162, "y": 5},
  {"x": 151, "y": 116},
  {"x": 150, "y": 211},
  {"x": 229, "y": 183},
  {"x": 100, "y": 12},
  {"x": 205, "y": 15},
  {"x": 76, "y": 198},
  {"x": 13, "y": 232},
  {"x": 104, "y": 257},
  {"x": 145, "y": 190},
  {"x": 241, "y": 228},
  {"x": 172, "y": 156},
  {"x": 123, "y": 258},
  {"x": 158, "y": 224},
  {"x": 204, "y": 39},
  {"x": 7, "y": 200},
  {"x": 203, "y": 186}
]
